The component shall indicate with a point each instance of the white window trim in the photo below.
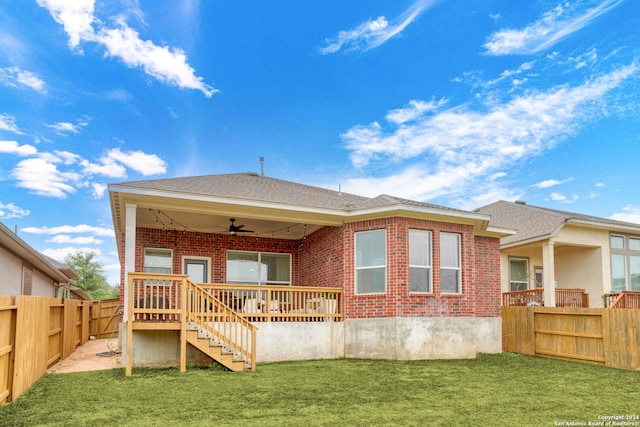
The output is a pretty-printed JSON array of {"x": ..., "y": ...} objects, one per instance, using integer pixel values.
[
  {"x": 144, "y": 258},
  {"x": 627, "y": 253},
  {"x": 526, "y": 280},
  {"x": 427, "y": 267},
  {"x": 459, "y": 268},
  {"x": 260, "y": 253},
  {"x": 369, "y": 267}
]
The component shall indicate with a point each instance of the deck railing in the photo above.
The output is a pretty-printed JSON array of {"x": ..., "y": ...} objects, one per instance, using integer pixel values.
[
  {"x": 625, "y": 299},
  {"x": 280, "y": 303},
  {"x": 157, "y": 297},
  {"x": 223, "y": 323},
  {"x": 523, "y": 298},
  {"x": 565, "y": 297},
  {"x": 572, "y": 298}
]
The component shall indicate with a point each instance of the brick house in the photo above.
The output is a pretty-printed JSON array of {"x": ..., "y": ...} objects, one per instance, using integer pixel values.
[{"x": 412, "y": 280}]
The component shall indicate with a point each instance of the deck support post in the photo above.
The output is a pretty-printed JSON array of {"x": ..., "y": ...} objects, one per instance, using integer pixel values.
[{"x": 183, "y": 326}]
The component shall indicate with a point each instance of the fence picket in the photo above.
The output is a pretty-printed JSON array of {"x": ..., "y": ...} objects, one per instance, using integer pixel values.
[{"x": 596, "y": 335}]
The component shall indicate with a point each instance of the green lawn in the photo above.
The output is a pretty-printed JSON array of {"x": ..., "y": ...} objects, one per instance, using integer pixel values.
[{"x": 492, "y": 390}]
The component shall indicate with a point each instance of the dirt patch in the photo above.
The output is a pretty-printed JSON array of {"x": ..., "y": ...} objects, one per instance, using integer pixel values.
[{"x": 94, "y": 355}]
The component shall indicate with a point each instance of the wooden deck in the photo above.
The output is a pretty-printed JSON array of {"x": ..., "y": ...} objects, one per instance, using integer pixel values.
[{"x": 218, "y": 318}]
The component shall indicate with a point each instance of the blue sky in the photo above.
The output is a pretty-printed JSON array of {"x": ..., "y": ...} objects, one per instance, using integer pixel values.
[{"x": 454, "y": 102}]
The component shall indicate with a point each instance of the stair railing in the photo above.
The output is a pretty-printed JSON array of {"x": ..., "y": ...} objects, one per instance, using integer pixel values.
[{"x": 224, "y": 324}]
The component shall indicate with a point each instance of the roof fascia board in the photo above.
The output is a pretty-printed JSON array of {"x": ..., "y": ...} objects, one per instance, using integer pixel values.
[
  {"x": 605, "y": 225},
  {"x": 351, "y": 215},
  {"x": 227, "y": 201},
  {"x": 22, "y": 250}
]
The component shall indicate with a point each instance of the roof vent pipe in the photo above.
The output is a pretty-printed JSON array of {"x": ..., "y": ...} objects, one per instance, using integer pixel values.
[
  {"x": 521, "y": 202},
  {"x": 261, "y": 165}
]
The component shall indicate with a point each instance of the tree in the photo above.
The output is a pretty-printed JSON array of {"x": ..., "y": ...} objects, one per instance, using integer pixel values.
[{"x": 92, "y": 277}]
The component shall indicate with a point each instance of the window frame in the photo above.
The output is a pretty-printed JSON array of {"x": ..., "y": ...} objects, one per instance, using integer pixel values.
[
  {"x": 372, "y": 267},
  {"x": 630, "y": 258},
  {"x": 526, "y": 280},
  {"x": 259, "y": 282},
  {"x": 459, "y": 290},
  {"x": 145, "y": 265},
  {"x": 428, "y": 235}
]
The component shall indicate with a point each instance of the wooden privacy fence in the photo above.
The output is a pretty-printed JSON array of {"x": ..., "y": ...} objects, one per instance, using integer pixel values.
[
  {"x": 36, "y": 333},
  {"x": 604, "y": 336},
  {"x": 105, "y": 315}
]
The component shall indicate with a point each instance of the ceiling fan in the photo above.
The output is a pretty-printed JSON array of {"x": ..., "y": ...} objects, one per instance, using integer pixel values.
[{"x": 233, "y": 228}]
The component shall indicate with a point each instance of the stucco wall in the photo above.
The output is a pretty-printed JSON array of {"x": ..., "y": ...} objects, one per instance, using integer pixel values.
[
  {"x": 42, "y": 285},
  {"x": 11, "y": 267}
]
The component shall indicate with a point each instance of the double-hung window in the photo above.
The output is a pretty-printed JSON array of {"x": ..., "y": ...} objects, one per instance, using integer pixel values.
[
  {"x": 371, "y": 262},
  {"x": 450, "y": 265},
  {"x": 420, "y": 271},
  {"x": 157, "y": 260},
  {"x": 519, "y": 274},
  {"x": 625, "y": 263}
]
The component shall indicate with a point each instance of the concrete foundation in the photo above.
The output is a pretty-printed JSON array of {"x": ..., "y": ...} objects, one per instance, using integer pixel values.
[{"x": 381, "y": 338}]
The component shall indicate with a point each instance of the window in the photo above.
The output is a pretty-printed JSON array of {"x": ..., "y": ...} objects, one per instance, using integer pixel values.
[
  {"x": 157, "y": 260},
  {"x": 420, "y": 261},
  {"x": 258, "y": 268},
  {"x": 450, "y": 270},
  {"x": 625, "y": 263},
  {"x": 371, "y": 262},
  {"x": 519, "y": 274}
]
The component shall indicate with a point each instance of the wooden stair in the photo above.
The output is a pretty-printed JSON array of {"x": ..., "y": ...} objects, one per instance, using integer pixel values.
[{"x": 203, "y": 340}]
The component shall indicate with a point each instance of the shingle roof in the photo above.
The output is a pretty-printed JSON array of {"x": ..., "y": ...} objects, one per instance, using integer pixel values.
[
  {"x": 533, "y": 222},
  {"x": 254, "y": 187},
  {"x": 251, "y": 186}
]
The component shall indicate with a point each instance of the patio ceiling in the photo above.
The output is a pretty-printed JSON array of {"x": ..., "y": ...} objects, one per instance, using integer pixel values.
[{"x": 219, "y": 223}]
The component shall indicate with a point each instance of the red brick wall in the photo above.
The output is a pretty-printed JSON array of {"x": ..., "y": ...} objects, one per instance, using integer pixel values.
[
  {"x": 214, "y": 246},
  {"x": 480, "y": 295},
  {"x": 326, "y": 258},
  {"x": 321, "y": 260}
]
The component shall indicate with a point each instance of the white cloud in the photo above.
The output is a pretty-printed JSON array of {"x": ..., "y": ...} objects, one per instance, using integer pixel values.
[
  {"x": 13, "y": 76},
  {"x": 66, "y": 128},
  {"x": 375, "y": 32},
  {"x": 60, "y": 173},
  {"x": 551, "y": 183},
  {"x": 61, "y": 253},
  {"x": 559, "y": 197},
  {"x": 85, "y": 240},
  {"x": 43, "y": 177},
  {"x": 98, "y": 190},
  {"x": 146, "y": 164},
  {"x": 8, "y": 123},
  {"x": 168, "y": 65},
  {"x": 71, "y": 229},
  {"x": 12, "y": 147},
  {"x": 457, "y": 149},
  {"x": 414, "y": 110},
  {"x": 10, "y": 210},
  {"x": 630, "y": 213},
  {"x": 75, "y": 16},
  {"x": 552, "y": 27}
]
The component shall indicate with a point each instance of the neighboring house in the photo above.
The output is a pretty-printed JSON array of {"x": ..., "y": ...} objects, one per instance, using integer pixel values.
[
  {"x": 556, "y": 249},
  {"x": 415, "y": 280},
  {"x": 25, "y": 271}
]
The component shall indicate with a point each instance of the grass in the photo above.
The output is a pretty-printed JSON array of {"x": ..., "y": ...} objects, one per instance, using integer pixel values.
[{"x": 492, "y": 390}]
